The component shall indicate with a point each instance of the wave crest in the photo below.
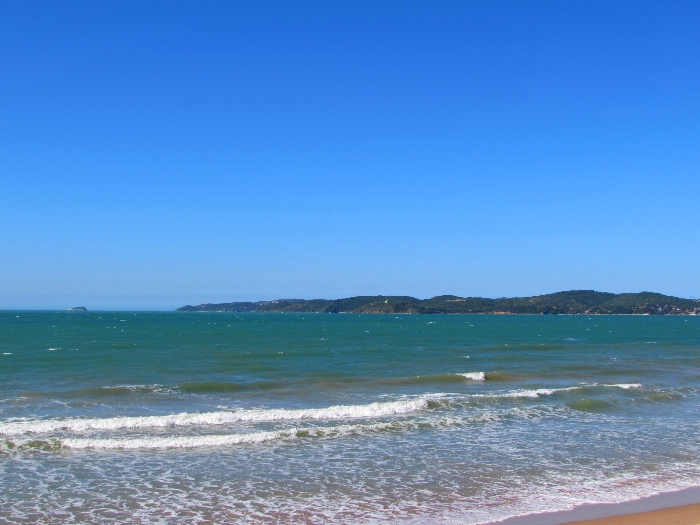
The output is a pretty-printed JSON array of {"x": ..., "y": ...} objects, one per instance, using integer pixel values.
[{"x": 475, "y": 376}]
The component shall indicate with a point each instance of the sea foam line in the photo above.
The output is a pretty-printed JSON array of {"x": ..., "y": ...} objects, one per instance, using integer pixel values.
[
  {"x": 215, "y": 418},
  {"x": 534, "y": 393},
  {"x": 178, "y": 441},
  {"x": 156, "y": 442},
  {"x": 219, "y": 440}
]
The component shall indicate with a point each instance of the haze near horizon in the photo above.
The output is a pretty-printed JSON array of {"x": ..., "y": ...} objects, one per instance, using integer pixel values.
[{"x": 157, "y": 154}]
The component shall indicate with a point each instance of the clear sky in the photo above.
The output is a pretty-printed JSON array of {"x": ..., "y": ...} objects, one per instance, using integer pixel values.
[{"x": 154, "y": 154}]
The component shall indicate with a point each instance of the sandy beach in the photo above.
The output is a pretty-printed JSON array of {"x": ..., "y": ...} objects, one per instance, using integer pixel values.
[
  {"x": 680, "y": 507},
  {"x": 684, "y": 515}
]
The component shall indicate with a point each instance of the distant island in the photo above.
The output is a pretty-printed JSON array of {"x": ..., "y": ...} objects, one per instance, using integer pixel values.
[
  {"x": 571, "y": 302},
  {"x": 78, "y": 309}
]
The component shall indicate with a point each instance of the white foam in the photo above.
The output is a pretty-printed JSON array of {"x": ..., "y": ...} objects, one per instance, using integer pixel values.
[
  {"x": 475, "y": 376},
  {"x": 529, "y": 393},
  {"x": 625, "y": 386},
  {"x": 155, "y": 388},
  {"x": 252, "y": 438},
  {"x": 221, "y": 439},
  {"x": 177, "y": 441},
  {"x": 214, "y": 418},
  {"x": 549, "y": 391}
]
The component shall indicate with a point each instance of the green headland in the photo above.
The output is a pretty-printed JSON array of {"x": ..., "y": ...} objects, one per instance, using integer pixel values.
[{"x": 571, "y": 302}]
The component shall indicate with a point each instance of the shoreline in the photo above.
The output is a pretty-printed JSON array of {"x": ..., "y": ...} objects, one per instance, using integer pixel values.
[
  {"x": 684, "y": 515},
  {"x": 680, "y": 507}
]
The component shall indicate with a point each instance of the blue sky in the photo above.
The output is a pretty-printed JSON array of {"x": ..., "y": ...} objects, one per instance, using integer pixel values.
[{"x": 154, "y": 154}]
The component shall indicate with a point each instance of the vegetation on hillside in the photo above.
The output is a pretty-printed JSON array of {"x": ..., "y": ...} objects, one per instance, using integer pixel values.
[{"x": 572, "y": 302}]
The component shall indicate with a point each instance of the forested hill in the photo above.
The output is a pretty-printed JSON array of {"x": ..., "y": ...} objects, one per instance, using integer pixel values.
[{"x": 572, "y": 302}]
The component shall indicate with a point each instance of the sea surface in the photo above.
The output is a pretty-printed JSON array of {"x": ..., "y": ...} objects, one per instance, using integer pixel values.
[{"x": 128, "y": 417}]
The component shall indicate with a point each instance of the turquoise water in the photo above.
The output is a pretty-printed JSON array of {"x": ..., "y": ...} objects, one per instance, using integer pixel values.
[{"x": 232, "y": 418}]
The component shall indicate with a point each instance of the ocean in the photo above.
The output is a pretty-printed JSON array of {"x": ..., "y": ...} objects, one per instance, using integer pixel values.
[{"x": 144, "y": 417}]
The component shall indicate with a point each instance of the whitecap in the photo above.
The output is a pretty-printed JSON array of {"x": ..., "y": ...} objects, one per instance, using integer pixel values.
[{"x": 474, "y": 376}]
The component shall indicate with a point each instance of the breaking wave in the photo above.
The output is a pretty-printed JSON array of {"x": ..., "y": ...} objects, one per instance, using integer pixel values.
[
  {"x": 533, "y": 393},
  {"x": 458, "y": 377},
  {"x": 475, "y": 376},
  {"x": 157, "y": 442},
  {"x": 214, "y": 418},
  {"x": 372, "y": 410}
]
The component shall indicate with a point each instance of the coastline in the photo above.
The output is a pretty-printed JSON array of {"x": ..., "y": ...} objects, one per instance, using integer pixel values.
[
  {"x": 583, "y": 302},
  {"x": 681, "y": 507}
]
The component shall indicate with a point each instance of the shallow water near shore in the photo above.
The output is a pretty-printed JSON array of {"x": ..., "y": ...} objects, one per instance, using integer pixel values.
[{"x": 123, "y": 417}]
